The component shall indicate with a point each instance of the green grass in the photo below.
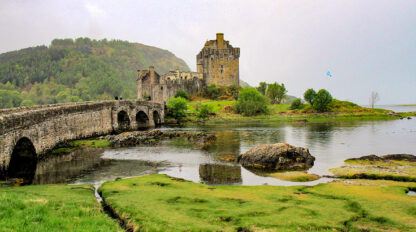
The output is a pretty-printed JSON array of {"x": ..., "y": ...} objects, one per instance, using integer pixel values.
[
  {"x": 163, "y": 203},
  {"x": 52, "y": 208},
  {"x": 340, "y": 111},
  {"x": 76, "y": 144},
  {"x": 387, "y": 170}
]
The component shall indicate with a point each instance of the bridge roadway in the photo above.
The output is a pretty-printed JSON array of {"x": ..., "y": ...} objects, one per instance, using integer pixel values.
[{"x": 26, "y": 133}]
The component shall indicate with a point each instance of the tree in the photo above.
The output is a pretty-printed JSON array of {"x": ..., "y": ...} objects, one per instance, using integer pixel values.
[
  {"x": 322, "y": 100},
  {"x": 177, "y": 107},
  {"x": 309, "y": 95},
  {"x": 183, "y": 94},
  {"x": 250, "y": 102},
  {"x": 296, "y": 104},
  {"x": 262, "y": 88},
  {"x": 276, "y": 92},
  {"x": 374, "y": 98}
]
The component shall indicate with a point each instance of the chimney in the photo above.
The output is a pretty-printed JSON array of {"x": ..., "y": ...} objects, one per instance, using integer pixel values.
[{"x": 220, "y": 40}]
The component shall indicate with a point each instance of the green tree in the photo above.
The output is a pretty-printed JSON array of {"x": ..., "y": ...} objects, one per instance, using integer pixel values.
[
  {"x": 177, "y": 107},
  {"x": 262, "y": 88},
  {"x": 251, "y": 102},
  {"x": 183, "y": 94},
  {"x": 296, "y": 104},
  {"x": 10, "y": 98},
  {"x": 276, "y": 92},
  {"x": 204, "y": 111},
  {"x": 322, "y": 100},
  {"x": 309, "y": 95},
  {"x": 27, "y": 102}
]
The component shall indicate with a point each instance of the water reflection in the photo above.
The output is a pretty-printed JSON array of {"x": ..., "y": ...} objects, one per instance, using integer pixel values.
[
  {"x": 331, "y": 143},
  {"x": 220, "y": 174}
]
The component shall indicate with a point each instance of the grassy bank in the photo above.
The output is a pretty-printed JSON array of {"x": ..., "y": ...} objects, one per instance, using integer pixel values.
[
  {"x": 339, "y": 110},
  {"x": 162, "y": 203},
  {"x": 76, "y": 144},
  {"x": 52, "y": 208},
  {"x": 388, "y": 170}
]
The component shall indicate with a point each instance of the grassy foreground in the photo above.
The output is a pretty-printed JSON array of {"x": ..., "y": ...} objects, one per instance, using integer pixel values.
[
  {"x": 52, "y": 208},
  {"x": 163, "y": 203},
  {"x": 339, "y": 110}
]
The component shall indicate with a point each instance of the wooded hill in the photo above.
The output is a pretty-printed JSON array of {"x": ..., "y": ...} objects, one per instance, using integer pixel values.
[{"x": 77, "y": 70}]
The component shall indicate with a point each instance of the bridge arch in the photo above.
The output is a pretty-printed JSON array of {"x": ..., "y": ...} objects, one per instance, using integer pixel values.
[
  {"x": 23, "y": 161},
  {"x": 123, "y": 120},
  {"x": 156, "y": 118},
  {"x": 142, "y": 120}
]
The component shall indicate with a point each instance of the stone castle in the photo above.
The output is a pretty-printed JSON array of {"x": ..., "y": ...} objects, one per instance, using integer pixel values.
[{"x": 217, "y": 63}]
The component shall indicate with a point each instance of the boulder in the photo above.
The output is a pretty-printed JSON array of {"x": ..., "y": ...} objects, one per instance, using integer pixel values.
[{"x": 277, "y": 157}]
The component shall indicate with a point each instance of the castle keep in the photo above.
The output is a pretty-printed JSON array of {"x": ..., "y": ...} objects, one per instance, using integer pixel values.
[{"x": 217, "y": 63}]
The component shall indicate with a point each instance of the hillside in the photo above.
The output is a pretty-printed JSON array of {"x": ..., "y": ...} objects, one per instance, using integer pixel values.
[{"x": 77, "y": 70}]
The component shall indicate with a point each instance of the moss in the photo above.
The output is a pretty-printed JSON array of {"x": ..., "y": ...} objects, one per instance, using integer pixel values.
[
  {"x": 382, "y": 169},
  {"x": 90, "y": 143},
  {"x": 296, "y": 176},
  {"x": 356, "y": 205},
  {"x": 52, "y": 208}
]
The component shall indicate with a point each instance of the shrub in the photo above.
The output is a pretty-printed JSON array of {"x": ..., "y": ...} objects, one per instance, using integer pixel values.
[
  {"x": 204, "y": 111},
  {"x": 183, "y": 94},
  {"x": 322, "y": 100},
  {"x": 212, "y": 92},
  {"x": 309, "y": 95},
  {"x": 177, "y": 107},
  {"x": 250, "y": 102},
  {"x": 296, "y": 104}
]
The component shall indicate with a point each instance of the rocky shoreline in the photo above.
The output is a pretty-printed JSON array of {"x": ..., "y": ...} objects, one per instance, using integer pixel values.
[{"x": 151, "y": 136}]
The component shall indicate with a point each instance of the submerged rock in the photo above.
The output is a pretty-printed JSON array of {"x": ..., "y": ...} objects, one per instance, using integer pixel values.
[{"x": 279, "y": 156}]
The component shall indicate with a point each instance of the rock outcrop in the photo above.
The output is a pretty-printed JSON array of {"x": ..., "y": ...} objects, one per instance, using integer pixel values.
[
  {"x": 277, "y": 157},
  {"x": 151, "y": 136},
  {"x": 397, "y": 157}
]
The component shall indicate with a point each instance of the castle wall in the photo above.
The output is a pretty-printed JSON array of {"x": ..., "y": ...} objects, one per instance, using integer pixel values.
[{"x": 168, "y": 85}]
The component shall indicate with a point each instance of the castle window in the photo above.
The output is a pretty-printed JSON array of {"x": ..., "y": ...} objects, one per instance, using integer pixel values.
[
  {"x": 222, "y": 68},
  {"x": 161, "y": 88}
]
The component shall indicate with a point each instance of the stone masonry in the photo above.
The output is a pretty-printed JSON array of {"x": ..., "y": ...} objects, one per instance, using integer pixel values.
[{"x": 47, "y": 126}]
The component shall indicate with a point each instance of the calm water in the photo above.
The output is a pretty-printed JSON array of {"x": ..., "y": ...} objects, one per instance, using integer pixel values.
[{"x": 331, "y": 143}]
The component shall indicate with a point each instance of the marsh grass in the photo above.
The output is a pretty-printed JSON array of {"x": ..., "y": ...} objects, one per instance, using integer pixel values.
[
  {"x": 52, "y": 208},
  {"x": 162, "y": 203}
]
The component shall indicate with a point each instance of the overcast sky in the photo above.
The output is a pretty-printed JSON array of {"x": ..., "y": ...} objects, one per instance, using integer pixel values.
[{"x": 366, "y": 45}]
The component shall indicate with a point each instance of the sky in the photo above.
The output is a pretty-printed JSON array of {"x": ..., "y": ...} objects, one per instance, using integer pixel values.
[{"x": 366, "y": 45}]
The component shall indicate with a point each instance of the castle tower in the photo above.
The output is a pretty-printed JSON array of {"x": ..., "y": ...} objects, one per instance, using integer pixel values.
[{"x": 219, "y": 62}]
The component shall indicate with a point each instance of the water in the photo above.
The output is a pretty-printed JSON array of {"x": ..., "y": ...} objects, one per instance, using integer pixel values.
[
  {"x": 331, "y": 143},
  {"x": 398, "y": 108}
]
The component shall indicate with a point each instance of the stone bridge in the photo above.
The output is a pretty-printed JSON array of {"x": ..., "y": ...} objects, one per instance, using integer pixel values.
[{"x": 26, "y": 133}]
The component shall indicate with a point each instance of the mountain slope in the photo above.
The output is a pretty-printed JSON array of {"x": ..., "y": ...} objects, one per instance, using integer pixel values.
[{"x": 77, "y": 70}]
